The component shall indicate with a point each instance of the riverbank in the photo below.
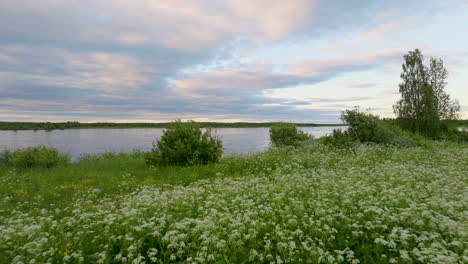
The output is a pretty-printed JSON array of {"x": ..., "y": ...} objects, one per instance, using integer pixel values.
[
  {"x": 78, "y": 141},
  {"x": 367, "y": 204}
]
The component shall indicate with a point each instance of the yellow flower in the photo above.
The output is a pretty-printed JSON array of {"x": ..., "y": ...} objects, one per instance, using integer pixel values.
[{"x": 20, "y": 192}]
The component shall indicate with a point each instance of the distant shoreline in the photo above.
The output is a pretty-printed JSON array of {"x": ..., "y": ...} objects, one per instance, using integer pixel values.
[{"x": 49, "y": 126}]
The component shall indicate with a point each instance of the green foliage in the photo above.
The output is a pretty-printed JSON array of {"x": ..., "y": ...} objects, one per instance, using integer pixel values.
[
  {"x": 41, "y": 156},
  {"x": 423, "y": 100},
  {"x": 366, "y": 127},
  {"x": 47, "y": 126},
  {"x": 319, "y": 205},
  {"x": 455, "y": 123},
  {"x": 456, "y": 135},
  {"x": 447, "y": 108},
  {"x": 287, "y": 134},
  {"x": 5, "y": 157},
  {"x": 185, "y": 144},
  {"x": 338, "y": 139}
]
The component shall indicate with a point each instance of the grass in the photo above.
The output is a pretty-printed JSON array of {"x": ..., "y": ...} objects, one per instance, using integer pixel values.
[
  {"x": 368, "y": 204},
  {"x": 60, "y": 186}
]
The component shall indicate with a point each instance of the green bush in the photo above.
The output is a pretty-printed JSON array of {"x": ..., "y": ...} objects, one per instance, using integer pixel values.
[
  {"x": 453, "y": 134},
  {"x": 365, "y": 127},
  {"x": 185, "y": 144},
  {"x": 402, "y": 141},
  {"x": 338, "y": 139},
  {"x": 41, "y": 156},
  {"x": 5, "y": 157},
  {"x": 287, "y": 134},
  {"x": 403, "y": 138}
]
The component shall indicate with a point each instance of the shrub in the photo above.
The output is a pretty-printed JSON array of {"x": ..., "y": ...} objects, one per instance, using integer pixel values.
[
  {"x": 362, "y": 126},
  {"x": 366, "y": 127},
  {"x": 456, "y": 135},
  {"x": 5, "y": 157},
  {"x": 338, "y": 139},
  {"x": 287, "y": 134},
  {"x": 185, "y": 144},
  {"x": 41, "y": 156},
  {"x": 402, "y": 141}
]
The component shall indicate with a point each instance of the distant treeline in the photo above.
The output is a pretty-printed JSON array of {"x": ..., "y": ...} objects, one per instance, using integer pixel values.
[
  {"x": 48, "y": 126},
  {"x": 445, "y": 123},
  {"x": 456, "y": 123}
]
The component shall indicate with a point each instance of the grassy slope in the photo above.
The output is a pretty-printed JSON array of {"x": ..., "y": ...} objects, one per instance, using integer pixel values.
[{"x": 372, "y": 204}]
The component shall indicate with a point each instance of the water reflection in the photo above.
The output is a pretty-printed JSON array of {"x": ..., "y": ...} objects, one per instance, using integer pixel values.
[{"x": 77, "y": 141}]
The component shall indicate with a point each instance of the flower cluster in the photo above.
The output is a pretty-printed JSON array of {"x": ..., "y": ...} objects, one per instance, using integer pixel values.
[{"x": 376, "y": 206}]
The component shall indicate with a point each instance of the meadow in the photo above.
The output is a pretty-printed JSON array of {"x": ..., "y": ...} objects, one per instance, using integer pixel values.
[{"x": 311, "y": 204}]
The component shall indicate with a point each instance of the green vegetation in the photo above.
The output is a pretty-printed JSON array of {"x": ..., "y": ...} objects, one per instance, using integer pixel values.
[
  {"x": 456, "y": 135},
  {"x": 313, "y": 203},
  {"x": 41, "y": 156},
  {"x": 365, "y": 127},
  {"x": 425, "y": 109},
  {"x": 338, "y": 139},
  {"x": 185, "y": 144},
  {"x": 455, "y": 123},
  {"x": 423, "y": 100},
  {"x": 368, "y": 128},
  {"x": 287, "y": 134},
  {"x": 379, "y": 192},
  {"x": 5, "y": 157},
  {"x": 48, "y": 126}
]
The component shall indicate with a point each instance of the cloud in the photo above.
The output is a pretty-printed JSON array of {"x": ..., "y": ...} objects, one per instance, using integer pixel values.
[
  {"x": 103, "y": 72},
  {"x": 390, "y": 91},
  {"x": 356, "y": 62},
  {"x": 193, "y": 25},
  {"x": 159, "y": 60},
  {"x": 346, "y": 99},
  {"x": 176, "y": 24},
  {"x": 133, "y": 39},
  {"x": 295, "y": 102},
  {"x": 232, "y": 82},
  {"x": 253, "y": 79},
  {"x": 362, "y": 85},
  {"x": 7, "y": 59},
  {"x": 115, "y": 83}
]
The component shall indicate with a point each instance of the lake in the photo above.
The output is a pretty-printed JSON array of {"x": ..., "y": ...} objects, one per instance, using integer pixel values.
[{"x": 78, "y": 141}]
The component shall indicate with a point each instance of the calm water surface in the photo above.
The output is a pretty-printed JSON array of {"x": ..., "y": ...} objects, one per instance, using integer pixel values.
[{"x": 77, "y": 141}]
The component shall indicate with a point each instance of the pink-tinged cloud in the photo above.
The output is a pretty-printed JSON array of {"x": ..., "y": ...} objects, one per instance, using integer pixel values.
[
  {"x": 238, "y": 81},
  {"x": 253, "y": 79},
  {"x": 390, "y": 91},
  {"x": 345, "y": 99},
  {"x": 376, "y": 35},
  {"x": 355, "y": 62},
  {"x": 133, "y": 39},
  {"x": 218, "y": 58},
  {"x": 107, "y": 73},
  {"x": 192, "y": 25}
]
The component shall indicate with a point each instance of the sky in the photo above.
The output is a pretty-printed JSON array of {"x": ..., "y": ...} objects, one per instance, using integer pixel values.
[{"x": 228, "y": 61}]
